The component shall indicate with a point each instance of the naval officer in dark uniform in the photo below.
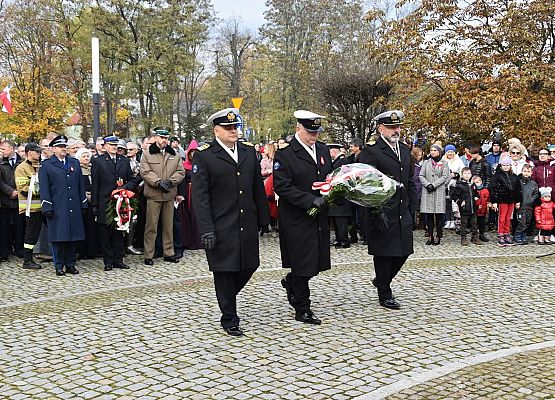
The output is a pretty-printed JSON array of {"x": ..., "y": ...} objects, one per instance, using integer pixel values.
[
  {"x": 389, "y": 231},
  {"x": 62, "y": 195},
  {"x": 231, "y": 206},
  {"x": 304, "y": 240},
  {"x": 110, "y": 171}
]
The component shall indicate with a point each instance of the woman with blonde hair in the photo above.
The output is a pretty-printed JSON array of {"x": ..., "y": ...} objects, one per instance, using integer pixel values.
[{"x": 267, "y": 162}]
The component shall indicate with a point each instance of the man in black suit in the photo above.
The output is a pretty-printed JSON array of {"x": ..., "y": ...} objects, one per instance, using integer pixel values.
[
  {"x": 231, "y": 206},
  {"x": 389, "y": 230},
  {"x": 110, "y": 171},
  {"x": 304, "y": 240}
]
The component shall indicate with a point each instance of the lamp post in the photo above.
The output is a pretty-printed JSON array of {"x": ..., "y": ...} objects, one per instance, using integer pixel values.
[{"x": 96, "y": 86}]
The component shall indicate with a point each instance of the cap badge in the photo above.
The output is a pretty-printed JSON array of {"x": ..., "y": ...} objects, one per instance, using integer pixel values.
[
  {"x": 230, "y": 116},
  {"x": 317, "y": 121},
  {"x": 394, "y": 117}
]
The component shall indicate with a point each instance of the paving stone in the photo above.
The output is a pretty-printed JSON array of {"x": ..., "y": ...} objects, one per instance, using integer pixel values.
[{"x": 154, "y": 332}]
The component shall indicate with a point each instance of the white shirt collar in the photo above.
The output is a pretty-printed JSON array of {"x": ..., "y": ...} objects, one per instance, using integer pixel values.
[
  {"x": 309, "y": 150},
  {"x": 395, "y": 147},
  {"x": 233, "y": 154}
]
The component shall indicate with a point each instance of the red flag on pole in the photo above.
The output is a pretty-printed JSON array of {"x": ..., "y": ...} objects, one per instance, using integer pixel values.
[{"x": 6, "y": 100}]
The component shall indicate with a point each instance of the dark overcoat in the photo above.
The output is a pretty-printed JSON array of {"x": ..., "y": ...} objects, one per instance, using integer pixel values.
[
  {"x": 346, "y": 208},
  {"x": 304, "y": 240},
  {"x": 105, "y": 174},
  {"x": 396, "y": 241},
  {"x": 229, "y": 199},
  {"x": 62, "y": 191}
]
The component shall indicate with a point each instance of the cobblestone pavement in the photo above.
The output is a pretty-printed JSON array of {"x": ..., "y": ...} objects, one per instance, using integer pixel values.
[
  {"x": 522, "y": 376},
  {"x": 153, "y": 332}
]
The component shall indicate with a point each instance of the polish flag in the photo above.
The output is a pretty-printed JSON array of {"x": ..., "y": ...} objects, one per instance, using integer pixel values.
[{"x": 6, "y": 100}]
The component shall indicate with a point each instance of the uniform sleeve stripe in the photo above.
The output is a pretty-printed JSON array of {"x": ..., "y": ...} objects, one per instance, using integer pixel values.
[{"x": 45, "y": 201}]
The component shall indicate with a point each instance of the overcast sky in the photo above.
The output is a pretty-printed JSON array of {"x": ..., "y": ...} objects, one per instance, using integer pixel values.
[{"x": 250, "y": 11}]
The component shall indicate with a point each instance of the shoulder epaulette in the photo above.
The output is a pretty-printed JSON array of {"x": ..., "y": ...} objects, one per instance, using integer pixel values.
[
  {"x": 248, "y": 144},
  {"x": 371, "y": 141},
  {"x": 204, "y": 147}
]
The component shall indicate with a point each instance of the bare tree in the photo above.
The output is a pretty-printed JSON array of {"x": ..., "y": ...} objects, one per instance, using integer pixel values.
[{"x": 232, "y": 53}]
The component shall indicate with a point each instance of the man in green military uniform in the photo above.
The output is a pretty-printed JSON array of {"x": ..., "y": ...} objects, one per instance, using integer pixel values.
[
  {"x": 26, "y": 180},
  {"x": 162, "y": 170}
]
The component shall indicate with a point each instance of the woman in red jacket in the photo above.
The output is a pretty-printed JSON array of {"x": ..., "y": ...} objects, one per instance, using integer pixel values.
[{"x": 545, "y": 221}]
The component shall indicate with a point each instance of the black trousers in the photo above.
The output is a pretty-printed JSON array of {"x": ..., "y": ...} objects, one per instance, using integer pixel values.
[
  {"x": 64, "y": 254},
  {"x": 481, "y": 220},
  {"x": 228, "y": 285},
  {"x": 471, "y": 220},
  {"x": 386, "y": 269},
  {"x": 300, "y": 292},
  {"x": 112, "y": 244},
  {"x": 342, "y": 230},
  {"x": 33, "y": 225},
  {"x": 12, "y": 232},
  {"x": 437, "y": 220}
]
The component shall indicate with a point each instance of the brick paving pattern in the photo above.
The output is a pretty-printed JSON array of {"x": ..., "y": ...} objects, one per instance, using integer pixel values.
[{"x": 153, "y": 332}]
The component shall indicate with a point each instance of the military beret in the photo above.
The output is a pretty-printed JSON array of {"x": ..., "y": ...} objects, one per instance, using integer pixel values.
[
  {"x": 390, "y": 118},
  {"x": 227, "y": 116}
]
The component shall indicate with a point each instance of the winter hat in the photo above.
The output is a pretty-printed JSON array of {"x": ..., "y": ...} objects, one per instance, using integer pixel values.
[
  {"x": 450, "y": 147},
  {"x": 506, "y": 160},
  {"x": 437, "y": 147},
  {"x": 545, "y": 191}
]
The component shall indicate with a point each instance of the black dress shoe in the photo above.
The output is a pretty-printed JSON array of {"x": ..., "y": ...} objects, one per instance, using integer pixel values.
[
  {"x": 172, "y": 259},
  {"x": 374, "y": 283},
  {"x": 148, "y": 261},
  {"x": 390, "y": 303},
  {"x": 364, "y": 242},
  {"x": 60, "y": 272},
  {"x": 308, "y": 318},
  {"x": 334, "y": 243},
  {"x": 121, "y": 266},
  {"x": 71, "y": 270},
  {"x": 234, "y": 331},
  {"x": 107, "y": 267}
]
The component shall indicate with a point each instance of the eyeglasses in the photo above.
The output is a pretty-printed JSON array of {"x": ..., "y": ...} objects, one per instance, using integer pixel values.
[{"x": 515, "y": 152}]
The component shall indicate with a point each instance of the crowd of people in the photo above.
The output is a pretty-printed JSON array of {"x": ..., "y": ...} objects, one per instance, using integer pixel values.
[{"x": 57, "y": 196}]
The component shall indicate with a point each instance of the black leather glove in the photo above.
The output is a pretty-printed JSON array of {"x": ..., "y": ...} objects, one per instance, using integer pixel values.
[
  {"x": 163, "y": 188},
  {"x": 382, "y": 222},
  {"x": 208, "y": 240},
  {"x": 94, "y": 211},
  {"x": 320, "y": 203},
  {"x": 430, "y": 188},
  {"x": 48, "y": 214},
  {"x": 265, "y": 228},
  {"x": 168, "y": 183}
]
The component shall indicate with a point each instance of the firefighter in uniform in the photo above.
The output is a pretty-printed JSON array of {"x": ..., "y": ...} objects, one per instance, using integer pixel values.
[
  {"x": 26, "y": 180},
  {"x": 231, "y": 206},
  {"x": 162, "y": 170},
  {"x": 304, "y": 240},
  {"x": 109, "y": 172},
  {"x": 389, "y": 231},
  {"x": 62, "y": 195}
]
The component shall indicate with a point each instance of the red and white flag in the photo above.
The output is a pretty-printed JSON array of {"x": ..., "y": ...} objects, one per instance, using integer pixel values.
[{"x": 6, "y": 100}]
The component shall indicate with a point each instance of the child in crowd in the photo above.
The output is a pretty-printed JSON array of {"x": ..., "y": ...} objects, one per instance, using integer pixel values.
[
  {"x": 506, "y": 193},
  {"x": 482, "y": 206},
  {"x": 530, "y": 197},
  {"x": 545, "y": 221},
  {"x": 465, "y": 195}
]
